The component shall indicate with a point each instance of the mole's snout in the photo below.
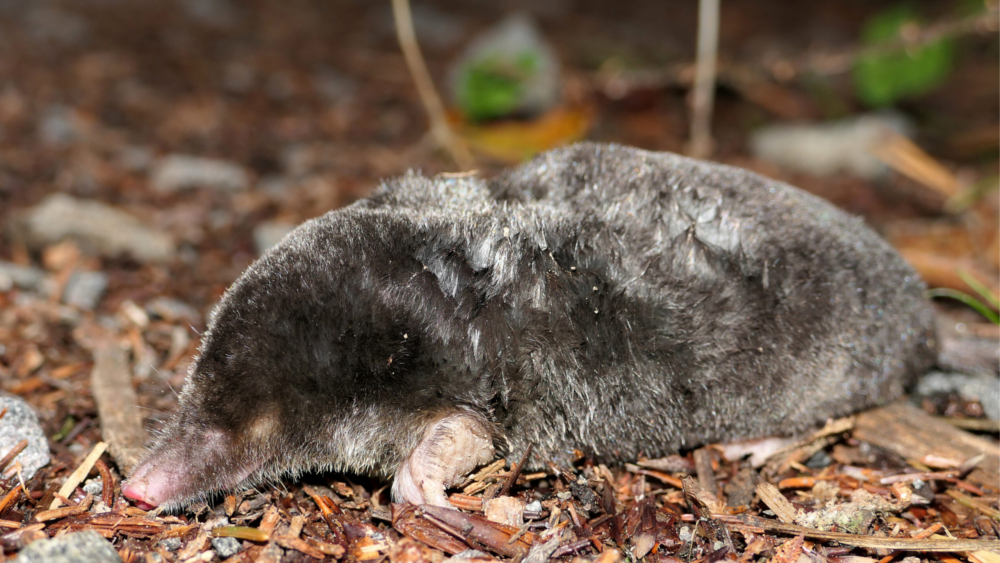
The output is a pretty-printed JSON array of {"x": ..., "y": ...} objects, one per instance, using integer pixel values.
[
  {"x": 150, "y": 484},
  {"x": 182, "y": 470}
]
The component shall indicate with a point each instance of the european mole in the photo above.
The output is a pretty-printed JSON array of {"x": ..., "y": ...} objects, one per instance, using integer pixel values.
[{"x": 599, "y": 298}]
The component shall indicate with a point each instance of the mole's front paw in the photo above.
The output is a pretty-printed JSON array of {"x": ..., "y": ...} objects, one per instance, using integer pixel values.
[{"x": 450, "y": 448}]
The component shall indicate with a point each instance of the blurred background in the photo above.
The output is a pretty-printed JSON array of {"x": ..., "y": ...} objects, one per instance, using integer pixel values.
[{"x": 151, "y": 149}]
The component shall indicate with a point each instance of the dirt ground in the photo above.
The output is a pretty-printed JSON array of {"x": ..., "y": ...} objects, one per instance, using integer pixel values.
[{"x": 309, "y": 104}]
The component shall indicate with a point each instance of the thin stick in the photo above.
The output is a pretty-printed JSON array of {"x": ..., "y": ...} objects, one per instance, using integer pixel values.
[
  {"x": 516, "y": 471},
  {"x": 425, "y": 87},
  {"x": 77, "y": 476},
  {"x": 18, "y": 448},
  {"x": 703, "y": 96}
]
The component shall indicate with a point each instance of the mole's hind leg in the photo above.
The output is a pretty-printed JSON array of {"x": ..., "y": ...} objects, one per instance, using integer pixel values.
[{"x": 450, "y": 448}]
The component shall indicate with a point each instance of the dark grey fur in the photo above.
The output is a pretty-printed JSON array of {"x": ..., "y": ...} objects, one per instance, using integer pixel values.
[{"x": 599, "y": 297}]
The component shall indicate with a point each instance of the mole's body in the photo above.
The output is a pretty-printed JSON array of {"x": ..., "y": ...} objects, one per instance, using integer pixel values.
[{"x": 598, "y": 298}]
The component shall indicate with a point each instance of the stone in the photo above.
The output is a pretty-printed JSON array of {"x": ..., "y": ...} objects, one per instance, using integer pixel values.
[
  {"x": 96, "y": 227},
  {"x": 170, "y": 544},
  {"x": 829, "y": 148},
  {"x": 57, "y": 126},
  {"x": 173, "y": 310},
  {"x": 21, "y": 277},
  {"x": 85, "y": 289},
  {"x": 334, "y": 86},
  {"x": 270, "y": 233},
  {"x": 77, "y": 547},
  {"x": 226, "y": 547},
  {"x": 94, "y": 486},
  {"x": 984, "y": 388},
  {"x": 21, "y": 423},
  {"x": 179, "y": 172}
]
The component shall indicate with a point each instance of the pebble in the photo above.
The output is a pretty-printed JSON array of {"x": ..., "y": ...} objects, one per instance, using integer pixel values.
[
  {"x": 21, "y": 277},
  {"x": 48, "y": 23},
  {"x": 981, "y": 387},
  {"x": 270, "y": 233},
  {"x": 335, "y": 86},
  {"x": 172, "y": 310},
  {"x": 214, "y": 13},
  {"x": 57, "y": 127},
  {"x": 85, "y": 289},
  {"x": 170, "y": 544},
  {"x": 18, "y": 424},
  {"x": 135, "y": 158},
  {"x": 94, "y": 486},
  {"x": 96, "y": 227},
  {"x": 226, "y": 547},
  {"x": 77, "y": 547},
  {"x": 179, "y": 172},
  {"x": 829, "y": 148}
]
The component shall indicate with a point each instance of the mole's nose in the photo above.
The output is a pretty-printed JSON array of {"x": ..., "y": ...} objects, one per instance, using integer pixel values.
[{"x": 136, "y": 491}]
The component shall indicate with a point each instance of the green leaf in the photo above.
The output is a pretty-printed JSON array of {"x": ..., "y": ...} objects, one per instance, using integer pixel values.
[
  {"x": 492, "y": 87},
  {"x": 979, "y": 288},
  {"x": 881, "y": 80},
  {"x": 967, "y": 299}
]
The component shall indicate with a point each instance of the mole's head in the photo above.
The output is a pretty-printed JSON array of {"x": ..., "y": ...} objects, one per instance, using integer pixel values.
[{"x": 302, "y": 356}]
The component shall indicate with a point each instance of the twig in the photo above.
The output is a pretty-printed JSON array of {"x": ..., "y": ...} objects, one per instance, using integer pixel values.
[
  {"x": 514, "y": 473},
  {"x": 107, "y": 484},
  {"x": 703, "y": 95},
  {"x": 857, "y": 540},
  {"x": 18, "y": 448},
  {"x": 911, "y": 37},
  {"x": 77, "y": 476},
  {"x": 443, "y": 134}
]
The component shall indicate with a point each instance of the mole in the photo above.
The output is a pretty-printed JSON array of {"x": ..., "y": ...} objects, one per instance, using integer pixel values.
[{"x": 598, "y": 298}]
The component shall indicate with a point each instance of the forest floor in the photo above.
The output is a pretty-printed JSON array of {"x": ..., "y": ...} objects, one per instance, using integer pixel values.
[{"x": 302, "y": 107}]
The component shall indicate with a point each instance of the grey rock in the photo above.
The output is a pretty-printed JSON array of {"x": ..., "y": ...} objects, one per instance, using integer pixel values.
[
  {"x": 436, "y": 28},
  {"x": 238, "y": 77},
  {"x": 215, "y": 13},
  {"x": 172, "y": 310},
  {"x": 22, "y": 277},
  {"x": 335, "y": 86},
  {"x": 78, "y": 547},
  {"x": 980, "y": 387},
  {"x": 135, "y": 159},
  {"x": 170, "y": 544},
  {"x": 85, "y": 289},
  {"x": 21, "y": 423},
  {"x": 270, "y": 233},
  {"x": 46, "y": 22},
  {"x": 57, "y": 127},
  {"x": 94, "y": 486},
  {"x": 96, "y": 227},
  {"x": 178, "y": 172},
  {"x": 829, "y": 148},
  {"x": 226, "y": 547}
]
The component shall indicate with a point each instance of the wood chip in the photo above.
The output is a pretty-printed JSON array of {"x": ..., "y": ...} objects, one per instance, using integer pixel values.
[
  {"x": 772, "y": 497},
  {"x": 81, "y": 472},
  {"x": 912, "y": 434}
]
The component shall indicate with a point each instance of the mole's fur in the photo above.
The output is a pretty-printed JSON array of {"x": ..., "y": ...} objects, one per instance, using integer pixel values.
[{"x": 599, "y": 298}]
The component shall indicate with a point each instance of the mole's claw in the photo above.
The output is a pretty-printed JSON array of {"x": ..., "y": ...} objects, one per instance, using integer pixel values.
[{"x": 450, "y": 448}]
